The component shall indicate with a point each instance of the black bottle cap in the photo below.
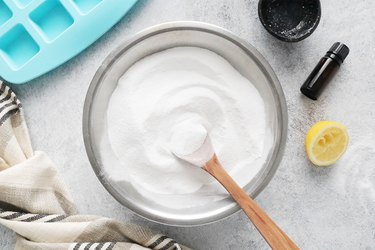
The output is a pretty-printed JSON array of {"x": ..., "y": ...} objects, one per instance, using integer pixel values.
[
  {"x": 340, "y": 50},
  {"x": 324, "y": 70}
]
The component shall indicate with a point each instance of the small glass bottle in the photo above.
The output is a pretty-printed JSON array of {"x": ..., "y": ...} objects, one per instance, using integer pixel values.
[{"x": 325, "y": 70}]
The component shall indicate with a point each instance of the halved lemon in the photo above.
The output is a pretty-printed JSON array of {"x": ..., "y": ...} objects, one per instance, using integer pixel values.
[{"x": 326, "y": 142}]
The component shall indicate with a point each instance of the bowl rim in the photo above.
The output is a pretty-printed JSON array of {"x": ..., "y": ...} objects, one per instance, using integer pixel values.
[
  {"x": 283, "y": 38},
  {"x": 172, "y": 26}
]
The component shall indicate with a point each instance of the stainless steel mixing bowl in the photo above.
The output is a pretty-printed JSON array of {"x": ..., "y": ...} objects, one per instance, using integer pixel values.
[{"x": 244, "y": 57}]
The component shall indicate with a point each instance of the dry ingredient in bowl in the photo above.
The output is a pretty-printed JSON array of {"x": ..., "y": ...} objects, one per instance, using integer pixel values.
[
  {"x": 168, "y": 92},
  {"x": 190, "y": 142}
]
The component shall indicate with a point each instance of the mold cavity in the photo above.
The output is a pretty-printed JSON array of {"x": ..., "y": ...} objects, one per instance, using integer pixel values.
[
  {"x": 52, "y": 19},
  {"x": 23, "y": 3},
  {"x": 86, "y": 6},
  {"x": 5, "y": 13},
  {"x": 18, "y": 47}
]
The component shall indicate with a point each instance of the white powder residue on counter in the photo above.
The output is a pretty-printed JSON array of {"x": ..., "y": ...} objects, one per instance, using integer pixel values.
[
  {"x": 173, "y": 89},
  {"x": 355, "y": 177}
]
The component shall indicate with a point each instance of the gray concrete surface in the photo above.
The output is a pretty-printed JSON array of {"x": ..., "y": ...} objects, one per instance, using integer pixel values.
[{"x": 320, "y": 208}]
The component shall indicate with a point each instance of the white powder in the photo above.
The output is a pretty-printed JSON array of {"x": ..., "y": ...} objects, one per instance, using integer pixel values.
[
  {"x": 187, "y": 138},
  {"x": 192, "y": 143},
  {"x": 355, "y": 178},
  {"x": 172, "y": 90}
]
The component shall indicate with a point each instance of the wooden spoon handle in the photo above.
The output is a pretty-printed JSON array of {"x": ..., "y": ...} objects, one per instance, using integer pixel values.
[{"x": 274, "y": 236}]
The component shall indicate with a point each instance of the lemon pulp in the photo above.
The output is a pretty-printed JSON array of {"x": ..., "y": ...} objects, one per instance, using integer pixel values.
[{"x": 326, "y": 142}]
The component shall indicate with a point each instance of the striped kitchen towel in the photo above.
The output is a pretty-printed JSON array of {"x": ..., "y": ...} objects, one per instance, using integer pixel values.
[{"x": 35, "y": 204}]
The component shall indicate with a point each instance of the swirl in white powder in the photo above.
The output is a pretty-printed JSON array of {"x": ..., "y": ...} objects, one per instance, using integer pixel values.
[
  {"x": 174, "y": 89},
  {"x": 192, "y": 143}
]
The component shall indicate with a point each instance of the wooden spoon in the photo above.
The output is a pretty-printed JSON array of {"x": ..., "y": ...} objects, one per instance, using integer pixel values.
[{"x": 205, "y": 157}]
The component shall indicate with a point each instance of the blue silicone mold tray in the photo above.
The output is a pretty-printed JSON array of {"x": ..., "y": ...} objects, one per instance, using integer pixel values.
[{"x": 36, "y": 36}]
